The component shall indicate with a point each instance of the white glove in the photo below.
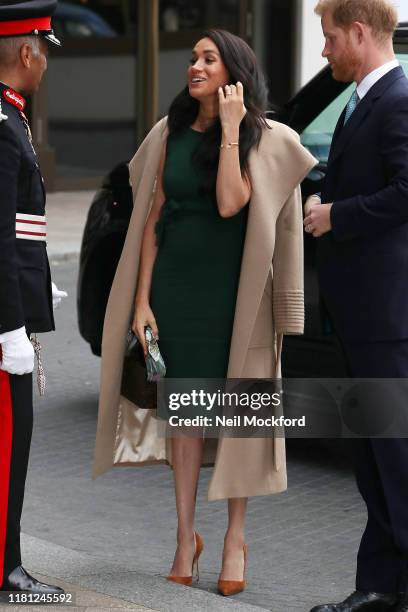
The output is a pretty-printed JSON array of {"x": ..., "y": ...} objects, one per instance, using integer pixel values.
[
  {"x": 57, "y": 296},
  {"x": 17, "y": 352}
]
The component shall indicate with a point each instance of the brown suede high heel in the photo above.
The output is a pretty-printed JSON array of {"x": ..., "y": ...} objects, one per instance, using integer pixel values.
[
  {"x": 233, "y": 587},
  {"x": 188, "y": 580}
]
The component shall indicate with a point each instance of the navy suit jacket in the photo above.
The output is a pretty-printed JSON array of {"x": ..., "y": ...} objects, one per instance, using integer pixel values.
[{"x": 363, "y": 261}]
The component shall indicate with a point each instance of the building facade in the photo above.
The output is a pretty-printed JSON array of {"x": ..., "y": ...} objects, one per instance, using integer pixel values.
[{"x": 123, "y": 61}]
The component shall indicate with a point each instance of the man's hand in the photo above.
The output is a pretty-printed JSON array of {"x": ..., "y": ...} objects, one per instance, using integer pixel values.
[
  {"x": 17, "y": 352},
  {"x": 313, "y": 199},
  {"x": 57, "y": 296},
  {"x": 317, "y": 217}
]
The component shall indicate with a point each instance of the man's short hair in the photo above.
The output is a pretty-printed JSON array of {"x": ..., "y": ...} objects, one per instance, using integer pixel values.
[
  {"x": 380, "y": 15},
  {"x": 11, "y": 45}
]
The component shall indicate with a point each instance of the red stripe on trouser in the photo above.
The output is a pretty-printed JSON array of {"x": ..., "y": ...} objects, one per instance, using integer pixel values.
[{"x": 6, "y": 436}]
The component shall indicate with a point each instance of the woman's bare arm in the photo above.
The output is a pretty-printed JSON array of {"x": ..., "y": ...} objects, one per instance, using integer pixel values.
[{"x": 233, "y": 189}]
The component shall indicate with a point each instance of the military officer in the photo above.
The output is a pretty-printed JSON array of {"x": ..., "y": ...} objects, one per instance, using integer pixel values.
[{"x": 26, "y": 291}]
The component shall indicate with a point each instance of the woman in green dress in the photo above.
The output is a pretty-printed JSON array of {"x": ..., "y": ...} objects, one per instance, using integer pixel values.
[{"x": 191, "y": 256}]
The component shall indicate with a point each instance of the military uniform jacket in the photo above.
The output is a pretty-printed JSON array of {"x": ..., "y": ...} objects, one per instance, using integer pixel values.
[{"x": 25, "y": 295}]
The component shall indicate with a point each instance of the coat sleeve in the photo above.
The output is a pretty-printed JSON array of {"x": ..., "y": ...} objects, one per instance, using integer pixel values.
[
  {"x": 287, "y": 263},
  {"x": 365, "y": 215},
  {"x": 288, "y": 287},
  {"x": 11, "y": 307}
]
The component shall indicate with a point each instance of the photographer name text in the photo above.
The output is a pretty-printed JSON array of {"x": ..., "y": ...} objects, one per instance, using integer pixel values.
[{"x": 236, "y": 421}]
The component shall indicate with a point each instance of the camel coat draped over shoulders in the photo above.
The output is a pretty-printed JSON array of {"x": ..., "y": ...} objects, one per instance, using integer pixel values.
[{"x": 270, "y": 303}]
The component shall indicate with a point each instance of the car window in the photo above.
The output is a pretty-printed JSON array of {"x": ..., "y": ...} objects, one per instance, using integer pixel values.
[
  {"x": 403, "y": 60},
  {"x": 318, "y": 135}
]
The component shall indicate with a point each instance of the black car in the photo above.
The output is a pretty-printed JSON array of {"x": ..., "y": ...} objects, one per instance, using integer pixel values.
[{"x": 313, "y": 113}]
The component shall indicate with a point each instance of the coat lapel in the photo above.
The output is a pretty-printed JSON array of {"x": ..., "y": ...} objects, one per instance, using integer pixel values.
[
  {"x": 143, "y": 170},
  {"x": 336, "y": 134},
  {"x": 344, "y": 134}
]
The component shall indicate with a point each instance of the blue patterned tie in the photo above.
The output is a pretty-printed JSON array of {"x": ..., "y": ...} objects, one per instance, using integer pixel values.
[{"x": 351, "y": 106}]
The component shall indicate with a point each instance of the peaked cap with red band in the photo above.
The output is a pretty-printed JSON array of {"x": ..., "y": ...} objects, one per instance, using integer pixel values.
[{"x": 28, "y": 18}]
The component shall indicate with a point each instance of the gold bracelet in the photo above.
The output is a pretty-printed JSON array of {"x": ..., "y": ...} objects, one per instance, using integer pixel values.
[{"x": 229, "y": 145}]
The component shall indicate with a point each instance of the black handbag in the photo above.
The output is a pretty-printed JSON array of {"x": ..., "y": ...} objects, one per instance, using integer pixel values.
[{"x": 138, "y": 378}]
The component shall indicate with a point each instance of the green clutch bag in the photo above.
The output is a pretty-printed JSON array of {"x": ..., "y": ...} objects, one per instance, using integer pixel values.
[{"x": 140, "y": 374}]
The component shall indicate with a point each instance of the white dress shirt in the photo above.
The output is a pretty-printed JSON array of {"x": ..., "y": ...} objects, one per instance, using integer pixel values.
[{"x": 371, "y": 79}]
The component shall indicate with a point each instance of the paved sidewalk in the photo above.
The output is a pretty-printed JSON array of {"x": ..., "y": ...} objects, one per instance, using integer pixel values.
[
  {"x": 66, "y": 216},
  {"x": 112, "y": 540}
]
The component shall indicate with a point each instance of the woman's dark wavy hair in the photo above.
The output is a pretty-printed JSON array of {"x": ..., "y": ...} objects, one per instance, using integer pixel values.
[{"x": 242, "y": 65}]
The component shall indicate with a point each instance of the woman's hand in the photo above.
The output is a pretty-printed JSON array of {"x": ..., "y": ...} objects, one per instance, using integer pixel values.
[
  {"x": 232, "y": 108},
  {"x": 144, "y": 316}
]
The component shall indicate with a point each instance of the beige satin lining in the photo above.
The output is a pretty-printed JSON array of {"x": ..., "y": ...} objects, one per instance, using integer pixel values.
[
  {"x": 137, "y": 437},
  {"x": 140, "y": 438}
]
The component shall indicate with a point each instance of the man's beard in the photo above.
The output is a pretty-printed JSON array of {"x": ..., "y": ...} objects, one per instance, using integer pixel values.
[{"x": 344, "y": 70}]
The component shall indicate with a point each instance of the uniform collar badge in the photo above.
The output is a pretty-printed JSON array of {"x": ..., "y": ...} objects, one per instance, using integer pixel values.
[{"x": 14, "y": 98}]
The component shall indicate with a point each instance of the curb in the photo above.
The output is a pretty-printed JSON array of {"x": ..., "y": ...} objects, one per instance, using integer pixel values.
[{"x": 97, "y": 577}]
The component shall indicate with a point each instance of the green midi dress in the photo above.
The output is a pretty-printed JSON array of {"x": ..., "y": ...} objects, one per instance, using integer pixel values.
[{"x": 196, "y": 272}]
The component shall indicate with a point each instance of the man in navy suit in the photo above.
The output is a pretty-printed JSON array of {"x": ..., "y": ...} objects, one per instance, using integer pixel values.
[{"x": 361, "y": 223}]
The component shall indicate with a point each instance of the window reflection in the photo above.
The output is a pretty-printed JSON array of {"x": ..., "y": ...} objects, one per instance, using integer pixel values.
[
  {"x": 112, "y": 18},
  {"x": 95, "y": 126},
  {"x": 84, "y": 18},
  {"x": 176, "y": 15}
]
